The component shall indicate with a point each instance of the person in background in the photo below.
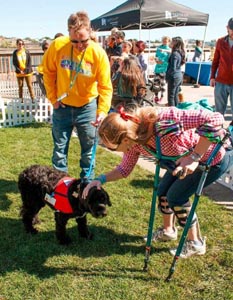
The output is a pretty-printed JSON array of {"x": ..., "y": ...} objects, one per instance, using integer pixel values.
[
  {"x": 139, "y": 48},
  {"x": 120, "y": 37},
  {"x": 23, "y": 68},
  {"x": 115, "y": 59},
  {"x": 212, "y": 50},
  {"x": 58, "y": 35},
  {"x": 128, "y": 82},
  {"x": 76, "y": 72},
  {"x": 111, "y": 42},
  {"x": 39, "y": 74},
  {"x": 45, "y": 45},
  {"x": 197, "y": 51},
  {"x": 161, "y": 58},
  {"x": 174, "y": 75},
  {"x": 222, "y": 71},
  {"x": 189, "y": 136}
]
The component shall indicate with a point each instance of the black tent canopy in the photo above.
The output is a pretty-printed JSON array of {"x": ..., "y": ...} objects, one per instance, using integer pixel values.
[{"x": 149, "y": 14}]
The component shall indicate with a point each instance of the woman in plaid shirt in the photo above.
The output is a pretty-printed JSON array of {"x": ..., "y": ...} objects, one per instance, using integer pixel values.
[{"x": 187, "y": 137}]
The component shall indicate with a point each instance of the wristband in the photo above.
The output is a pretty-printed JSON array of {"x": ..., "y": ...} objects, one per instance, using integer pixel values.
[
  {"x": 195, "y": 156},
  {"x": 101, "y": 178}
]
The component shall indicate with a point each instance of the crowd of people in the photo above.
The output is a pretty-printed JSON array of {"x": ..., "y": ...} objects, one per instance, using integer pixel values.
[{"x": 83, "y": 81}]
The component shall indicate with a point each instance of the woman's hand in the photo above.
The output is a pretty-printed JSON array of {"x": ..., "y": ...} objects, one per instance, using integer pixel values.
[
  {"x": 186, "y": 166},
  {"x": 96, "y": 183}
]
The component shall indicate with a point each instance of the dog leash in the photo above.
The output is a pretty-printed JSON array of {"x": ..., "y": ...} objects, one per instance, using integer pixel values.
[{"x": 93, "y": 155}]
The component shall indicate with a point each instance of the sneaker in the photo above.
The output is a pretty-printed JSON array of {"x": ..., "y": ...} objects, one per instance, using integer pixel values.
[
  {"x": 161, "y": 235},
  {"x": 190, "y": 248}
]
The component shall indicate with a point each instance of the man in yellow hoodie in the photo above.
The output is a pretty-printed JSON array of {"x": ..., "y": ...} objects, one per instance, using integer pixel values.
[{"x": 78, "y": 84}]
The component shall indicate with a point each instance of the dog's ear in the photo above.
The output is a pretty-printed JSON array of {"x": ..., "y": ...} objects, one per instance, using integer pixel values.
[
  {"x": 102, "y": 194},
  {"x": 107, "y": 197}
]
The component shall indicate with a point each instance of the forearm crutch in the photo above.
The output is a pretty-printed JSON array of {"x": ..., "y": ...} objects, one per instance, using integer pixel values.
[
  {"x": 159, "y": 162},
  {"x": 206, "y": 168},
  {"x": 152, "y": 217}
]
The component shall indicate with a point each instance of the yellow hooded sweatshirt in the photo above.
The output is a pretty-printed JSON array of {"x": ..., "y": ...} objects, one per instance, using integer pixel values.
[{"x": 82, "y": 76}]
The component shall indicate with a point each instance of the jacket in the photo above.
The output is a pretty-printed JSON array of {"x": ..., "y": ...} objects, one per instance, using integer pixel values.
[
  {"x": 222, "y": 64},
  {"x": 162, "y": 56},
  {"x": 174, "y": 66},
  {"x": 28, "y": 69}
]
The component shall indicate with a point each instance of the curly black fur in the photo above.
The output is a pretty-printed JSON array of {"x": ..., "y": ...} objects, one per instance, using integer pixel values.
[{"x": 35, "y": 181}]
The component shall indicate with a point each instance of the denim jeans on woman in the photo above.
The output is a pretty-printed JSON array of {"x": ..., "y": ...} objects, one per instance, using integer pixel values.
[
  {"x": 173, "y": 88},
  {"x": 178, "y": 191},
  {"x": 64, "y": 120}
]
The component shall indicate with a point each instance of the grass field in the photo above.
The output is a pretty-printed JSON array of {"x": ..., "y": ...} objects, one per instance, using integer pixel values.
[{"x": 110, "y": 267}]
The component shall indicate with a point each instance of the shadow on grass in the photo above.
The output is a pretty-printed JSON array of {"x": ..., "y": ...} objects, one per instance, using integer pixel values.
[
  {"x": 146, "y": 183},
  {"x": 7, "y": 186},
  {"x": 30, "y": 254}
]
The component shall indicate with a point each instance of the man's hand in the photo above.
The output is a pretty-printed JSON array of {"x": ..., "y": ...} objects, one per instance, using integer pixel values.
[
  {"x": 57, "y": 104},
  {"x": 212, "y": 82},
  {"x": 99, "y": 119}
]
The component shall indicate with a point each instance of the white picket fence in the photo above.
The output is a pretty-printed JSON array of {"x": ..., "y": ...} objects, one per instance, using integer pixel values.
[{"x": 13, "y": 112}]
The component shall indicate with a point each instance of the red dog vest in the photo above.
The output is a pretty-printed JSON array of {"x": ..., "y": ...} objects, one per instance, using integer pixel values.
[{"x": 59, "y": 199}]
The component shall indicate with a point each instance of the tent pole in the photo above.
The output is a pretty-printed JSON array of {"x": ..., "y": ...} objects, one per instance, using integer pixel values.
[
  {"x": 141, "y": 2},
  {"x": 197, "y": 85}
]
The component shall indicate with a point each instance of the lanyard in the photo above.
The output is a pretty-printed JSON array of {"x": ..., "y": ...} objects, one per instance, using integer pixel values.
[
  {"x": 93, "y": 153},
  {"x": 72, "y": 80}
]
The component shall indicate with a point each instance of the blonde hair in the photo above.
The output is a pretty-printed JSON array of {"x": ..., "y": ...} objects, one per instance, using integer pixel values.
[
  {"x": 79, "y": 20},
  {"x": 114, "y": 128}
]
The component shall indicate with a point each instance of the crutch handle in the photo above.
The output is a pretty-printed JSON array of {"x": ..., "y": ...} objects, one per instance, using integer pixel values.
[{"x": 170, "y": 166}]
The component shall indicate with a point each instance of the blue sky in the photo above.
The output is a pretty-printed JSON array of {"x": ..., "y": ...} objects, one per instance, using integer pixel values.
[{"x": 37, "y": 19}]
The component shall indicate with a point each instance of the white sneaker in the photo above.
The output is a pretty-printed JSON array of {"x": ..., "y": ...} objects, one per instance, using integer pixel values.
[
  {"x": 190, "y": 248},
  {"x": 161, "y": 235}
]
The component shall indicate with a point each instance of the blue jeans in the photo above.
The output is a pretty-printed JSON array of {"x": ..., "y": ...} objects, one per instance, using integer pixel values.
[
  {"x": 64, "y": 120},
  {"x": 221, "y": 94},
  {"x": 178, "y": 190},
  {"x": 173, "y": 88}
]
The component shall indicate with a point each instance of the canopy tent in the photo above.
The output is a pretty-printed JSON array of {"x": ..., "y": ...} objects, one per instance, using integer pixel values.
[{"x": 149, "y": 14}]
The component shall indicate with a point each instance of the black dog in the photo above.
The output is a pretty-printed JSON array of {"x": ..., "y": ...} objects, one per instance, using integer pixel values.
[{"x": 40, "y": 185}]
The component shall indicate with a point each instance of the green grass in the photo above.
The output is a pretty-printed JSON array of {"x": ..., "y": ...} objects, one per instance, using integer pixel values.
[{"x": 110, "y": 266}]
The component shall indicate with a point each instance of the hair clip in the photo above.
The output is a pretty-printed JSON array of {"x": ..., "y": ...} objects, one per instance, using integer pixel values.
[{"x": 125, "y": 116}]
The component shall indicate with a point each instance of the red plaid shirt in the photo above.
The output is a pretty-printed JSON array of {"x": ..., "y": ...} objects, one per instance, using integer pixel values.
[{"x": 176, "y": 144}]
